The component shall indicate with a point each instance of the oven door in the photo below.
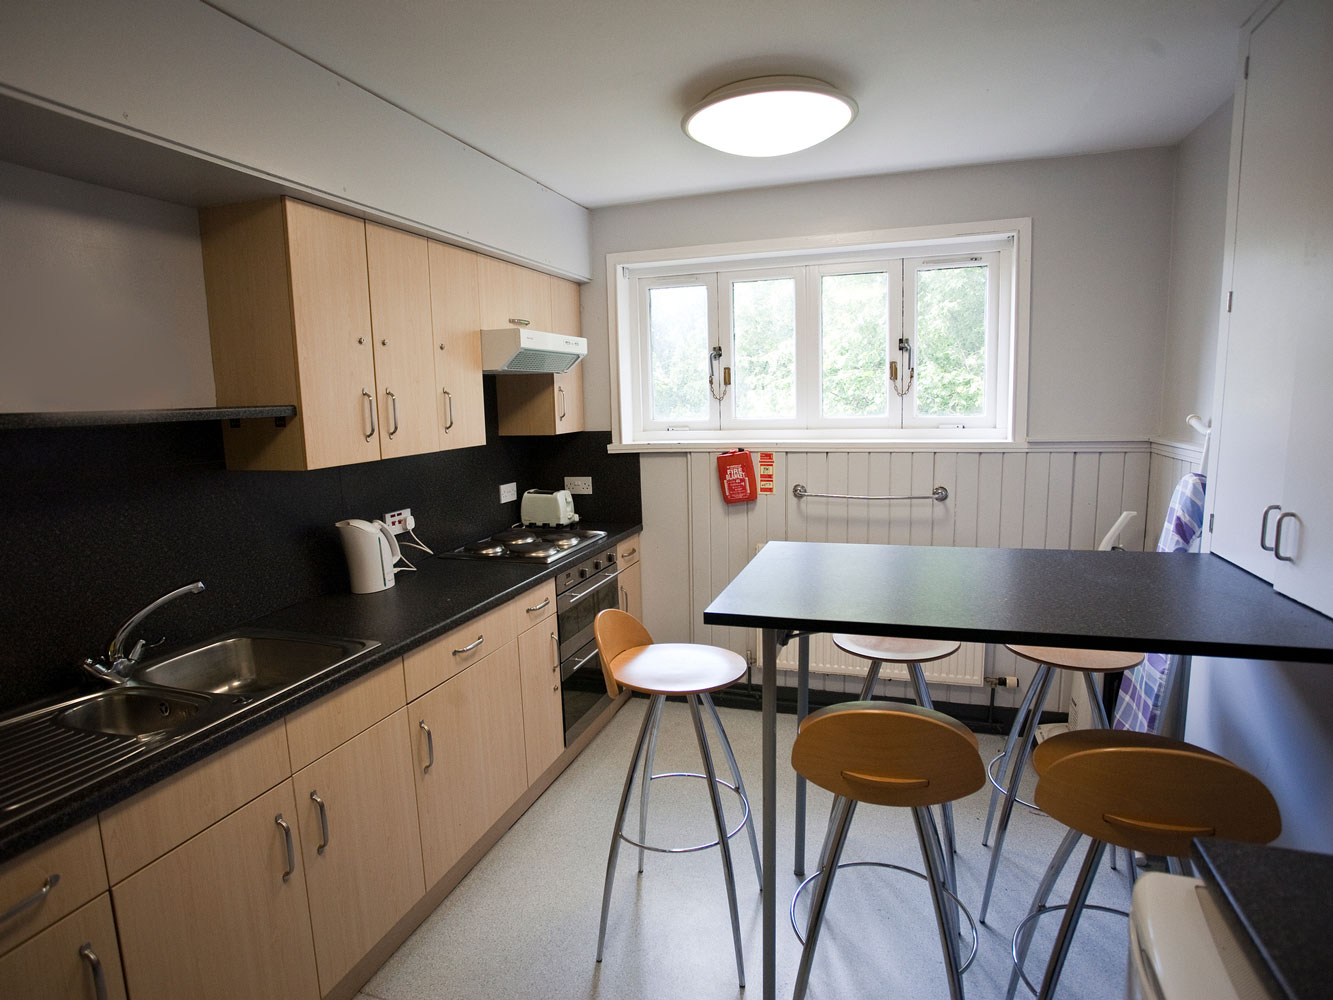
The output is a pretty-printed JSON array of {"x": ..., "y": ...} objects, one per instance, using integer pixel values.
[
  {"x": 578, "y": 607},
  {"x": 582, "y": 685}
]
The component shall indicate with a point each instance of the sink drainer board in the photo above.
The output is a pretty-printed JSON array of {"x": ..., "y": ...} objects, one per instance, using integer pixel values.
[{"x": 44, "y": 760}]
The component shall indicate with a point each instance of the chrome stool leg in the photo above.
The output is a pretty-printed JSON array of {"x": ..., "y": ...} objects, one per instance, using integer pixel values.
[
  {"x": 932, "y": 855},
  {"x": 723, "y": 842},
  {"x": 1008, "y": 754},
  {"x": 646, "y": 782},
  {"x": 843, "y": 810},
  {"x": 1023, "y": 938},
  {"x": 620, "y": 825},
  {"x": 1064, "y": 938},
  {"x": 1042, "y": 681},
  {"x": 740, "y": 786}
]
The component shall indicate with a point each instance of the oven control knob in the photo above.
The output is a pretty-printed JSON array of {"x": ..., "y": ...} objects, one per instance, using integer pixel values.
[
  {"x": 583, "y": 573},
  {"x": 597, "y": 564}
]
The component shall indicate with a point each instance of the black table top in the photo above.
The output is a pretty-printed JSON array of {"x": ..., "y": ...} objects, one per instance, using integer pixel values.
[{"x": 1145, "y": 601}]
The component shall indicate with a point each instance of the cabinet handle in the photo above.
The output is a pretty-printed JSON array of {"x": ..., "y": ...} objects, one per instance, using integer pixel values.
[
  {"x": 323, "y": 822},
  {"x": 519, "y": 322},
  {"x": 393, "y": 404},
  {"x": 538, "y": 607},
  {"x": 624, "y": 599},
  {"x": 430, "y": 747},
  {"x": 628, "y": 552},
  {"x": 449, "y": 401},
  {"x": 560, "y": 390},
  {"x": 1263, "y": 528},
  {"x": 291, "y": 847},
  {"x": 51, "y": 882},
  {"x": 1277, "y": 537},
  {"x": 95, "y": 965},
  {"x": 371, "y": 399},
  {"x": 555, "y": 648},
  {"x": 471, "y": 645}
]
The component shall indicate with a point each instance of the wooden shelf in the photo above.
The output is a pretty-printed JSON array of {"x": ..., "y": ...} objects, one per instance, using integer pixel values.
[{"x": 110, "y": 418}]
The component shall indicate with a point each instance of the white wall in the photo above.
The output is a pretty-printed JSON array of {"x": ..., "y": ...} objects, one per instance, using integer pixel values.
[
  {"x": 104, "y": 299},
  {"x": 1100, "y": 254}
]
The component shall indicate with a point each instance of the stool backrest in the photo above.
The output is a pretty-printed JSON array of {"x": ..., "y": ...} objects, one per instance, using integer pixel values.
[
  {"x": 1156, "y": 798},
  {"x": 617, "y": 631},
  {"x": 889, "y": 755}
]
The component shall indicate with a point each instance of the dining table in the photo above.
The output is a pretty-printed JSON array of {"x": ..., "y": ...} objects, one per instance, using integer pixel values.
[{"x": 1182, "y": 603}]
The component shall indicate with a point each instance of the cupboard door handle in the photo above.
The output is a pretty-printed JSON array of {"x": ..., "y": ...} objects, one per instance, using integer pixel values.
[
  {"x": 95, "y": 965},
  {"x": 624, "y": 599},
  {"x": 323, "y": 822},
  {"x": 393, "y": 405},
  {"x": 471, "y": 645},
  {"x": 1277, "y": 537},
  {"x": 430, "y": 747},
  {"x": 628, "y": 552},
  {"x": 51, "y": 882},
  {"x": 371, "y": 399},
  {"x": 538, "y": 607},
  {"x": 1263, "y": 529},
  {"x": 291, "y": 847},
  {"x": 519, "y": 322},
  {"x": 560, "y": 390},
  {"x": 449, "y": 401},
  {"x": 555, "y": 648}
]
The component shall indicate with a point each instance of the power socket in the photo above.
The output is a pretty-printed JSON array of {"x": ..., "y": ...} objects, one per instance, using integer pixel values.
[
  {"x": 508, "y": 492},
  {"x": 579, "y": 484},
  {"x": 400, "y": 520}
]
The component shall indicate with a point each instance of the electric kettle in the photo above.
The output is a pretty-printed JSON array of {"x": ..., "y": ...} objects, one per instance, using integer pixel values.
[{"x": 371, "y": 552}]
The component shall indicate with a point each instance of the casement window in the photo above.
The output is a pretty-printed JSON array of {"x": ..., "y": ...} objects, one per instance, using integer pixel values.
[{"x": 906, "y": 341}]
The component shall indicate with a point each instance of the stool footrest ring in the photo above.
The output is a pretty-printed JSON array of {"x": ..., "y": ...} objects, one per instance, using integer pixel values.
[
  {"x": 1013, "y": 947},
  {"x": 745, "y": 816},
  {"x": 990, "y": 776}
]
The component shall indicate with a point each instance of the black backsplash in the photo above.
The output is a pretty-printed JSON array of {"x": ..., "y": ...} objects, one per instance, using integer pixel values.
[{"x": 96, "y": 522}]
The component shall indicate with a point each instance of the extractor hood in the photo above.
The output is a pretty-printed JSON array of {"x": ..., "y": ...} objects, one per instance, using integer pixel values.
[{"x": 518, "y": 349}]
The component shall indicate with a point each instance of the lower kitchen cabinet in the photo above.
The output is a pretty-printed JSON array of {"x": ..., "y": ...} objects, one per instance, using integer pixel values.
[
  {"x": 224, "y": 915},
  {"x": 75, "y": 959},
  {"x": 360, "y": 844},
  {"x": 539, "y": 675},
  {"x": 470, "y": 761},
  {"x": 631, "y": 591}
]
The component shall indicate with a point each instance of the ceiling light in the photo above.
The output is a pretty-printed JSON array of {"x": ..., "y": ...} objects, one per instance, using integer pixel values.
[{"x": 769, "y": 116}]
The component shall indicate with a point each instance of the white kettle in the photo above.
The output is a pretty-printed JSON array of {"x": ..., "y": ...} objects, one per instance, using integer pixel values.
[{"x": 371, "y": 552}]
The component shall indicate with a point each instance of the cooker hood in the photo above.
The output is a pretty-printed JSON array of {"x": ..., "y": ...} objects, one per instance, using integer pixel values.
[{"x": 518, "y": 349}]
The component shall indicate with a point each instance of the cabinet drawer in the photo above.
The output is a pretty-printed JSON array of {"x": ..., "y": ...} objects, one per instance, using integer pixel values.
[
  {"x": 56, "y": 964},
  {"x": 149, "y": 825},
  {"x": 71, "y": 863},
  {"x": 315, "y": 730},
  {"x": 442, "y": 658},
  {"x": 535, "y": 606},
  {"x": 627, "y": 552}
]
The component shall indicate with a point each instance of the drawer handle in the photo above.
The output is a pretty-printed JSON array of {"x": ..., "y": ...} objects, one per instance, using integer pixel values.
[
  {"x": 1277, "y": 537},
  {"x": 51, "y": 882},
  {"x": 449, "y": 399},
  {"x": 538, "y": 607},
  {"x": 430, "y": 747},
  {"x": 1263, "y": 529},
  {"x": 370, "y": 399},
  {"x": 323, "y": 822},
  {"x": 471, "y": 645},
  {"x": 95, "y": 965},
  {"x": 291, "y": 847},
  {"x": 393, "y": 404},
  {"x": 629, "y": 552},
  {"x": 519, "y": 322}
]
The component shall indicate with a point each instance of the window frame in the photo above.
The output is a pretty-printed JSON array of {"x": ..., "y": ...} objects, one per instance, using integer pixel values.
[{"x": 630, "y": 274}]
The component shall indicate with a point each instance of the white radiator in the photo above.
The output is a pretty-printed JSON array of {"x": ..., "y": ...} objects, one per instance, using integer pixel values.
[{"x": 967, "y": 666}]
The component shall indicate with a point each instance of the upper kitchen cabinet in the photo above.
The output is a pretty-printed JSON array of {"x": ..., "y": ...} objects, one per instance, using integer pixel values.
[
  {"x": 1271, "y": 480},
  {"x": 456, "y": 316},
  {"x": 306, "y": 307},
  {"x": 513, "y": 295}
]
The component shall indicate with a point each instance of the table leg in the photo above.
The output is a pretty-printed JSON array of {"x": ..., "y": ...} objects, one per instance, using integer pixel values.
[
  {"x": 802, "y": 710},
  {"x": 770, "y": 805}
]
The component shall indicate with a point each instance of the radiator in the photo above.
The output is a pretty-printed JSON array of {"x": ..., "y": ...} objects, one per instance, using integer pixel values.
[{"x": 966, "y": 667}]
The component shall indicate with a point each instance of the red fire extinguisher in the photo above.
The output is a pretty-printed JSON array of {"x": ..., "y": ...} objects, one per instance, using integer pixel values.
[{"x": 735, "y": 471}]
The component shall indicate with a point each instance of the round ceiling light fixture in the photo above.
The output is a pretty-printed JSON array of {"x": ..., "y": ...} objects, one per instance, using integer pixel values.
[{"x": 769, "y": 115}]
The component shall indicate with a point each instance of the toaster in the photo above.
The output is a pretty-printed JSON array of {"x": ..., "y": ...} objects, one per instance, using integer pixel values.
[{"x": 547, "y": 508}]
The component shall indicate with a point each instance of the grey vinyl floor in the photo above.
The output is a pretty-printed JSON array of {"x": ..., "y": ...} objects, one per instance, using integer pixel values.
[{"x": 524, "y": 921}]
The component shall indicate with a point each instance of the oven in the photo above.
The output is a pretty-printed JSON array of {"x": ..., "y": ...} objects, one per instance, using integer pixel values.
[{"x": 582, "y": 592}]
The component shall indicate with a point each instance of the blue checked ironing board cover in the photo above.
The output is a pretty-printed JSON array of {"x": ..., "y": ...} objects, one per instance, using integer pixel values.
[{"x": 1142, "y": 692}]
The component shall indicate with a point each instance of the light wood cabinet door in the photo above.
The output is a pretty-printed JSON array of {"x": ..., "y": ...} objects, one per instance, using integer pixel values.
[
  {"x": 470, "y": 762},
  {"x": 565, "y": 319},
  {"x": 511, "y": 295},
  {"x": 400, "y": 318},
  {"x": 456, "y": 318},
  {"x": 50, "y": 882},
  {"x": 360, "y": 844},
  {"x": 539, "y": 674},
  {"x": 216, "y": 918},
  {"x": 66, "y": 961},
  {"x": 631, "y": 590}
]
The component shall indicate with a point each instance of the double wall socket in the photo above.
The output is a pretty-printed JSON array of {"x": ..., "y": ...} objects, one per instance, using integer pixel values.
[
  {"x": 508, "y": 492},
  {"x": 400, "y": 520},
  {"x": 579, "y": 484}
]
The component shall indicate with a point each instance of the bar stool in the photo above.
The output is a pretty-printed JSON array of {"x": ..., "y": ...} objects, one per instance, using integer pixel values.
[
  {"x": 632, "y": 660},
  {"x": 1139, "y": 791},
  {"x": 1023, "y": 733},
  {"x": 890, "y": 755}
]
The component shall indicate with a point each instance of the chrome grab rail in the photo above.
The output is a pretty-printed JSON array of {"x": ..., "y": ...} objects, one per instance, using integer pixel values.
[{"x": 939, "y": 493}]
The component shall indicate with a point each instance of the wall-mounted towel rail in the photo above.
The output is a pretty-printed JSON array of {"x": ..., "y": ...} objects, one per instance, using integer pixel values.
[{"x": 800, "y": 492}]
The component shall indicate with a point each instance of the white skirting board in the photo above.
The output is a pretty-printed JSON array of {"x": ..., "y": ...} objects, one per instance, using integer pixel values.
[{"x": 966, "y": 667}]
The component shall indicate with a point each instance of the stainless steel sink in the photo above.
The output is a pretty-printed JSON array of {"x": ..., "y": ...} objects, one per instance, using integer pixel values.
[
  {"x": 249, "y": 663},
  {"x": 132, "y": 712}
]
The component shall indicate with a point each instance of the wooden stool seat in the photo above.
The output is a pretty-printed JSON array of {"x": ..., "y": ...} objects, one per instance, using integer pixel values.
[
  {"x": 892, "y": 649},
  {"x": 675, "y": 668},
  {"x": 1093, "y": 661}
]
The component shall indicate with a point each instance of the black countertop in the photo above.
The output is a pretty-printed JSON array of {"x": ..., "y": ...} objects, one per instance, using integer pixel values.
[
  {"x": 442, "y": 595},
  {"x": 1278, "y": 901},
  {"x": 1146, "y": 601}
]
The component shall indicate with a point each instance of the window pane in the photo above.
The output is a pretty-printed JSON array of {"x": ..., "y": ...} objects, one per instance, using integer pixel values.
[
  {"x": 854, "y": 326},
  {"x": 763, "y": 328},
  {"x": 678, "y": 334},
  {"x": 951, "y": 341}
]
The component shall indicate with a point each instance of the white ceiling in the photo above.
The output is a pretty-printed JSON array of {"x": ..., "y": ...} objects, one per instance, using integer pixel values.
[{"x": 586, "y": 96}]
